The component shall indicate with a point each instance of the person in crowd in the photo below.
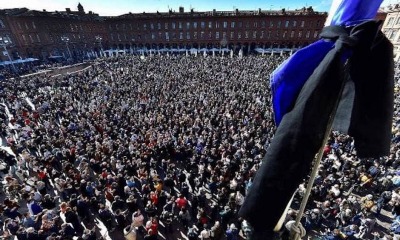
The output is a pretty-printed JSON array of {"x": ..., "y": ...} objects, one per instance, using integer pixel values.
[{"x": 172, "y": 141}]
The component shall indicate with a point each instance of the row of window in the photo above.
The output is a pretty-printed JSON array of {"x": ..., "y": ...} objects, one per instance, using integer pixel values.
[
  {"x": 392, "y": 34},
  {"x": 216, "y": 24},
  {"x": 32, "y": 38},
  {"x": 26, "y": 25},
  {"x": 194, "y": 25},
  {"x": 392, "y": 21},
  {"x": 191, "y": 25},
  {"x": 72, "y": 27},
  {"x": 218, "y": 35},
  {"x": 76, "y": 27}
]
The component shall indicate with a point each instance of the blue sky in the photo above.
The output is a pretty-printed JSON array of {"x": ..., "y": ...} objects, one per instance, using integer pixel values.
[{"x": 118, "y": 7}]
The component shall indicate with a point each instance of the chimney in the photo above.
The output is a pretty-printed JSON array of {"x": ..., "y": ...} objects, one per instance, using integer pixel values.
[
  {"x": 181, "y": 10},
  {"x": 259, "y": 11},
  {"x": 214, "y": 12},
  {"x": 236, "y": 11},
  {"x": 68, "y": 10},
  {"x": 44, "y": 10}
]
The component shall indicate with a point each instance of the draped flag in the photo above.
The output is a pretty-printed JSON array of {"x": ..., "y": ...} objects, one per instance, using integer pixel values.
[
  {"x": 350, "y": 67},
  {"x": 286, "y": 82}
]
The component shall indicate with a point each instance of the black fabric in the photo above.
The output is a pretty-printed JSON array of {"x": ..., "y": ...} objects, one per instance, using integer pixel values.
[
  {"x": 366, "y": 108},
  {"x": 300, "y": 134},
  {"x": 341, "y": 36}
]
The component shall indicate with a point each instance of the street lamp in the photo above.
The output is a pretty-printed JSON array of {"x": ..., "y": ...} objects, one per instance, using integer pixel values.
[
  {"x": 98, "y": 39},
  {"x": 4, "y": 42},
  {"x": 66, "y": 40}
]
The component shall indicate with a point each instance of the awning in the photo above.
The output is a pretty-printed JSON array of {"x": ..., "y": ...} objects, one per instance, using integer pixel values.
[{"x": 17, "y": 61}]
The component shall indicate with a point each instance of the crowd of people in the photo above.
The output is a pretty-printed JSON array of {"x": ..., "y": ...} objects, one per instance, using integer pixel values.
[{"x": 165, "y": 147}]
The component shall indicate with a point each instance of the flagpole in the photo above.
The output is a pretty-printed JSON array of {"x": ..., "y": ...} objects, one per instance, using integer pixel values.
[{"x": 297, "y": 229}]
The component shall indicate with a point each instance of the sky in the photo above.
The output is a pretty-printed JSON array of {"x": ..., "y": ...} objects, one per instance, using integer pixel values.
[{"x": 119, "y": 7}]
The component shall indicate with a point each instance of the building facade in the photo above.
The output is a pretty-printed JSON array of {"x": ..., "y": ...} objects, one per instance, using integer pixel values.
[
  {"x": 41, "y": 34},
  {"x": 232, "y": 29},
  {"x": 391, "y": 28},
  {"x": 7, "y": 46},
  {"x": 66, "y": 33}
]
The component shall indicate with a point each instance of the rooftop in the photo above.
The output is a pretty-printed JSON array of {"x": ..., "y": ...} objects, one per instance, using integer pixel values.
[
  {"x": 392, "y": 8},
  {"x": 171, "y": 14},
  {"x": 298, "y": 12}
]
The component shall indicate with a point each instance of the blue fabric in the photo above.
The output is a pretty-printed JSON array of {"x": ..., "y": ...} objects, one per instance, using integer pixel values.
[
  {"x": 356, "y": 11},
  {"x": 288, "y": 79}
]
